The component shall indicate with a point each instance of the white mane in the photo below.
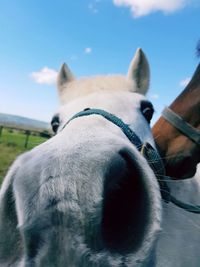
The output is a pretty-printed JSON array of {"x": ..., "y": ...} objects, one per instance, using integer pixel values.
[
  {"x": 85, "y": 86},
  {"x": 136, "y": 80}
]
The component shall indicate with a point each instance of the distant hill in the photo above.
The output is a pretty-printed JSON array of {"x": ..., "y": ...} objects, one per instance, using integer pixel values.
[{"x": 22, "y": 123}]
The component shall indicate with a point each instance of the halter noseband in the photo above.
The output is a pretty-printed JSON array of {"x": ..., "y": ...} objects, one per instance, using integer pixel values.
[
  {"x": 146, "y": 149},
  {"x": 151, "y": 155},
  {"x": 184, "y": 127}
]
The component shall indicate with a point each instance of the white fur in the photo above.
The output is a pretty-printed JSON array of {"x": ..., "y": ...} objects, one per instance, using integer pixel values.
[
  {"x": 178, "y": 243},
  {"x": 137, "y": 80},
  {"x": 82, "y": 87},
  {"x": 139, "y": 71},
  {"x": 56, "y": 189}
]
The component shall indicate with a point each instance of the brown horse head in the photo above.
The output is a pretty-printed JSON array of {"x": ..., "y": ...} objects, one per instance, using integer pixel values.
[{"x": 180, "y": 153}]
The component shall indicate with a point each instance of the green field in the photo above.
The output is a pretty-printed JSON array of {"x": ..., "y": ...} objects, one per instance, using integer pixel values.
[{"x": 12, "y": 144}]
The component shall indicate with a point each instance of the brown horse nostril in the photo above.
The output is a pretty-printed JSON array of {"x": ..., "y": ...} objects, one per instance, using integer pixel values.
[{"x": 182, "y": 166}]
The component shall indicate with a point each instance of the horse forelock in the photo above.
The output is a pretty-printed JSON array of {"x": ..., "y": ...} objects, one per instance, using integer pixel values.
[{"x": 84, "y": 86}]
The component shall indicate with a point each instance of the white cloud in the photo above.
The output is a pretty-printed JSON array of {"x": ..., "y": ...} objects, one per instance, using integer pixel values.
[
  {"x": 154, "y": 96},
  {"x": 185, "y": 82},
  {"x": 93, "y": 8},
  {"x": 144, "y": 7},
  {"x": 44, "y": 76},
  {"x": 88, "y": 50}
]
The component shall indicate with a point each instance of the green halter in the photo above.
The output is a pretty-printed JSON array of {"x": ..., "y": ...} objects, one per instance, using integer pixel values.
[
  {"x": 146, "y": 149},
  {"x": 151, "y": 155}
]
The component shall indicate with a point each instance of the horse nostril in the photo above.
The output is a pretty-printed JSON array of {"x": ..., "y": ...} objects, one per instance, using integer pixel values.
[
  {"x": 181, "y": 167},
  {"x": 125, "y": 205}
]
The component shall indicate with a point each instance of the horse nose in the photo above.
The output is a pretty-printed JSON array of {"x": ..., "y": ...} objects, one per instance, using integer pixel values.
[
  {"x": 127, "y": 205},
  {"x": 181, "y": 167}
]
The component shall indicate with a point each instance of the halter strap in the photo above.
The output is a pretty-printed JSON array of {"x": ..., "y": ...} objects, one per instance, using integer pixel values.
[
  {"x": 147, "y": 151},
  {"x": 112, "y": 118},
  {"x": 184, "y": 127}
]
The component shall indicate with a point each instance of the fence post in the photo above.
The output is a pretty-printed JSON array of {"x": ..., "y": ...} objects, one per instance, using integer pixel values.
[
  {"x": 1, "y": 129},
  {"x": 27, "y": 138}
]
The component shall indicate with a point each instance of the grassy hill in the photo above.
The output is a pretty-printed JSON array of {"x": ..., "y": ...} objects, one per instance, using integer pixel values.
[
  {"x": 11, "y": 145},
  {"x": 19, "y": 122}
]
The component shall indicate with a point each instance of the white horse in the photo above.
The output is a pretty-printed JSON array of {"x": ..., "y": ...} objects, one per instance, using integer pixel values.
[
  {"x": 179, "y": 240},
  {"x": 86, "y": 197}
]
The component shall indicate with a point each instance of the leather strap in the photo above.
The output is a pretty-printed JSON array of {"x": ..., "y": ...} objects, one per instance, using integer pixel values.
[
  {"x": 184, "y": 127},
  {"x": 131, "y": 135},
  {"x": 147, "y": 151}
]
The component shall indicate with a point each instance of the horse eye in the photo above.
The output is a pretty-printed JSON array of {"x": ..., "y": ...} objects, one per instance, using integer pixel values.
[
  {"x": 55, "y": 122},
  {"x": 147, "y": 110}
]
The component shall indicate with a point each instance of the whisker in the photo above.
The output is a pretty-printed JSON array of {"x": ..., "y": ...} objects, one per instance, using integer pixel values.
[
  {"x": 166, "y": 180},
  {"x": 156, "y": 137}
]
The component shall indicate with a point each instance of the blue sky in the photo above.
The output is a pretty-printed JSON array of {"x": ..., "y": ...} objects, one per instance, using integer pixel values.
[{"x": 92, "y": 37}]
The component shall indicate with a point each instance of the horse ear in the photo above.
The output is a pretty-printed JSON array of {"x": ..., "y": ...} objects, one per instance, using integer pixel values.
[
  {"x": 139, "y": 71},
  {"x": 64, "y": 76}
]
